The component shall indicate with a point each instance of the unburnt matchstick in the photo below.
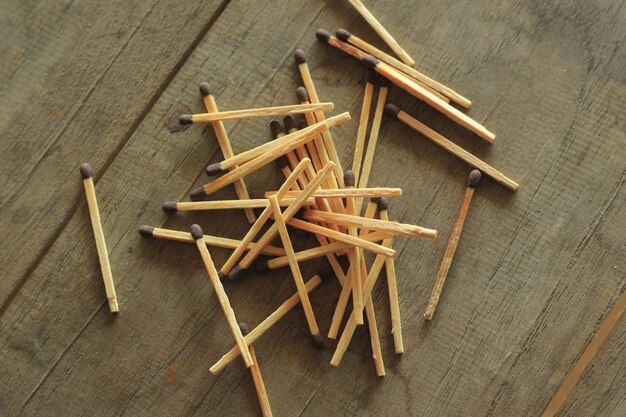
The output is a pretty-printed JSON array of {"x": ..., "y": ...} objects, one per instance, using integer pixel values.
[
  {"x": 393, "y": 111},
  {"x": 94, "y": 213},
  {"x": 174, "y": 207},
  {"x": 354, "y": 254},
  {"x": 371, "y": 192},
  {"x": 186, "y": 119},
  {"x": 257, "y": 378},
  {"x": 289, "y": 161},
  {"x": 363, "y": 122},
  {"x": 472, "y": 182}
]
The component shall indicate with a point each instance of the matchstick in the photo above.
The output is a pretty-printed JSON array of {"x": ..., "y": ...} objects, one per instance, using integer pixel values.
[
  {"x": 264, "y": 326},
  {"x": 187, "y": 119},
  {"x": 94, "y": 213},
  {"x": 173, "y": 206},
  {"x": 363, "y": 122},
  {"x": 354, "y": 254},
  {"x": 372, "y": 192},
  {"x": 224, "y": 143},
  {"x": 382, "y": 32},
  {"x": 393, "y": 111},
  {"x": 374, "y": 224},
  {"x": 392, "y": 287},
  {"x": 472, "y": 182},
  {"x": 346, "y": 36},
  {"x": 196, "y": 233},
  {"x": 257, "y": 378},
  {"x": 220, "y": 242},
  {"x": 300, "y": 153},
  {"x": 295, "y": 271},
  {"x": 289, "y": 161}
]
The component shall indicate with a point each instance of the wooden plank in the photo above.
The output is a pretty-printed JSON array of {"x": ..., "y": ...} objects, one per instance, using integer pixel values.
[{"x": 533, "y": 275}]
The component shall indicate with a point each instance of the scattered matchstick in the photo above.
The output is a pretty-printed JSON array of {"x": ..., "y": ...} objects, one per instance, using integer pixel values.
[
  {"x": 197, "y": 234},
  {"x": 472, "y": 182},
  {"x": 94, "y": 213},
  {"x": 289, "y": 161},
  {"x": 173, "y": 206},
  {"x": 363, "y": 122},
  {"x": 187, "y": 119},
  {"x": 257, "y": 378},
  {"x": 354, "y": 255},
  {"x": 382, "y": 32},
  {"x": 372, "y": 192},
  {"x": 224, "y": 143},
  {"x": 393, "y": 111}
]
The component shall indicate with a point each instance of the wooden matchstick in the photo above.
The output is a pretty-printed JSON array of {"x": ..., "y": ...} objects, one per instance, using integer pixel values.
[
  {"x": 224, "y": 143},
  {"x": 198, "y": 235},
  {"x": 410, "y": 86},
  {"x": 363, "y": 122},
  {"x": 393, "y": 111},
  {"x": 187, "y": 119},
  {"x": 220, "y": 242},
  {"x": 289, "y": 161},
  {"x": 173, "y": 206},
  {"x": 392, "y": 287},
  {"x": 257, "y": 378},
  {"x": 382, "y": 32},
  {"x": 374, "y": 224},
  {"x": 346, "y": 36},
  {"x": 354, "y": 255},
  {"x": 372, "y": 192},
  {"x": 264, "y": 326},
  {"x": 472, "y": 182},
  {"x": 94, "y": 213},
  {"x": 295, "y": 271}
]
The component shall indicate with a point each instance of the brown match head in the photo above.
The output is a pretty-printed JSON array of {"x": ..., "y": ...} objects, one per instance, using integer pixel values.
[
  {"x": 302, "y": 123},
  {"x": 146, "y": 231},
  {"x": 342, "y": 34},
  {"x": 236, "y": 273},
  {"x": 169, "y": 207},
  {"x": 323, "y": 35},
  {"x": 383, "y": 204},
  {"x": 221, "y": 276},
  {"x": 370, "y": 61},
  {"x": 185, "y": 119},
  {"x": 197, "y": 194},
  {"x": 196, "y": 232},
  {"x": 290, "y": 123},
  {"x": 302, "y": 94},
  {"x": 299, "y": 56},
  {"x": 276, "y": 128},
  {"x": 282, "y": 162},
  {"x": 392, "y": 110},
  {"x": 318, "y": 340},
  {"x": 205, "y": 89},
  {"x": 214, "y": 169},
  {"x": 474, "y": 178},
  {"x": 86, "y": 171},
  {"x": 245, "y": 329},
  {"x": 348, "y": 178}
]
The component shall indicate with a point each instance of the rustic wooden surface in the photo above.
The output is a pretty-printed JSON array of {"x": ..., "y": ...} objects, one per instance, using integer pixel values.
[{"x": 534, "y": 276}]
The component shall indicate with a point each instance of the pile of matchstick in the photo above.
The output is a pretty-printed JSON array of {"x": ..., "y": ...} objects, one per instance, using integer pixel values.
[{"x": 348, "y": 218}]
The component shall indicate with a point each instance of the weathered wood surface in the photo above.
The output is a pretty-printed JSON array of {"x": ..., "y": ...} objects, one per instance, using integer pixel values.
[{"x": 535, "y": 272}]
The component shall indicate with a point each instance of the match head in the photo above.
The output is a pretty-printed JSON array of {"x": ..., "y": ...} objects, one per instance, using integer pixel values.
[
  {"x": 169, "y": 207},
  {"x": 185, "y": 119},
  {"x": 302, "y": 94},
  {"x": 392, "y": 110},
  {"x": 245, "y": 329},
  {"x": 349, "y": 178},
  {"x": 221, "y": 276},
  {"x": 342, "y": 34},
  {"x": 282, "y": 162},
  {"x": 474, "y": 178},
  {"x": 290, "y": 123},
  {"x": 322, "y": 35},
  {"x": 236, "y": 273},
  {"x": 205, "y": 89},
  {"x": 276, "y": 128},
  {"x": 86, "y": 171},
  {"x": 196, "y": 232},
  {"x": 214, "y": 169},
  {"x": 302, "y": 124},
  {"x": 370, "y": 61},
  {"x": 197, "y": 194},
  {"x": 318, "y": 340},
  {"x": 299, "y": 56},
  {"x": 383, "y": 204},
  {"x": 146, "y": 231}
]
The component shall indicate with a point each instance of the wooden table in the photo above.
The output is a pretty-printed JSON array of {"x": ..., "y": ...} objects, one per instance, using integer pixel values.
[{"x": 535, "y": 274}]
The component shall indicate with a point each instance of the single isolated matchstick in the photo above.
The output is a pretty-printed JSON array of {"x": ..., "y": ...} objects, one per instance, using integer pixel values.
[
  {"x": 393, "y": 111},
  {"x": 382, "y": 32},
  {"x": 197, "y": 234},
  {"x": 257, "y": 378},
  {"x": 109, "y": 286},
  {"x": 187, "y": 119},
  {"x": 472, "y": 182}
]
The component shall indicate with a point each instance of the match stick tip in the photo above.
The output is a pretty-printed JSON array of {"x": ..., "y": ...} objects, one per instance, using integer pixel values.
[
  {"x": 197, "y": 194},
  {"x": 302, "y": 94},
  {"x": 299, "y": 56},
  {"x": 474, "y": 178},
  {"x": 282, "y": 162},
  {"x": 342, "y": 34},
  {"x": 169, "y": 207},
  {"x": 236, "y": 273},
  {"x": 349, "y": 178},
  {"x": 146, "y": 231},
  {"x": 322, "y": 35},
  {"x": 86, "y": 171},
  {"x": 185, "y": 119},
  {"x": 318, "y": 340},
  {"x": 276, "y": 128},
  {"x": 221, "y": 276},
  {"x": 245, "y": 329},
  {"x": 214, "y": 169},
  {"x": 205, "y": 89},
  {"x": 302, "y": 124},
  {"x": 383, "y": 204},
  {"x": 392, "y": 110},
  {"x": 370, "y": 61},
  {"x": 290, "y": 123},
  {"x": 196, "y": 232}
]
